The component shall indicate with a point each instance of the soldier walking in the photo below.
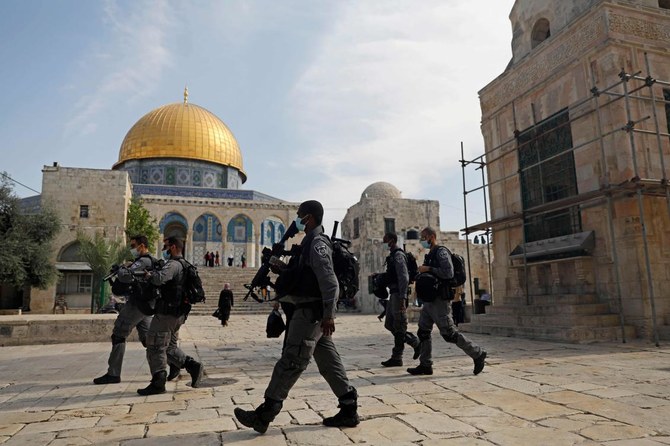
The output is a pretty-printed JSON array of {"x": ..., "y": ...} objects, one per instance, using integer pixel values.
[
  {"x": 171, "y": 313},
  {"x": 314, "y": 294},
  {"x": 136, "y": 313},
  {"x": 397, "y": 280},
  {"x": 438, "y": 263}
]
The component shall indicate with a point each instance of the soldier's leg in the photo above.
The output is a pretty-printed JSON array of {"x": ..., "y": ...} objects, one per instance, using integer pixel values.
[
  {"x": 450, "y": 332},
  {"x": 127, "y": 319},
  {"x": 425, "y": 366},
  {"x": 300, "y": 342},
  {"x": 158, "y": 339},
  {"x": 301, "y": 338},
  {"x": 178, "y": 357},
  {"x": 331, "y": 368}
]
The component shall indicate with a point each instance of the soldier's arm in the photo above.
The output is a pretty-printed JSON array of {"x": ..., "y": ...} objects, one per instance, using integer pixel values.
[
  {"x": 165, "y": 274},
  {"x": 401, "y": 272},
  {"x": 446, "y": 269},
  {"x": 125, "y": 275},
  {"x": 321, "y": 261}
]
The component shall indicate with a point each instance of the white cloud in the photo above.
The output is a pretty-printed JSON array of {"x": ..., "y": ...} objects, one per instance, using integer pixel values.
[
  {"x": 393, "y": 91},
  {"x": 131, "y": 63}
]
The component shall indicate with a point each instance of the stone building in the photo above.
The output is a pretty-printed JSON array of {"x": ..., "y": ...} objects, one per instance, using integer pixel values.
[
  {"x": 577, "y": 152},
  {"x": 382, "y": 209},
  {"x": 186, "y": 166}
]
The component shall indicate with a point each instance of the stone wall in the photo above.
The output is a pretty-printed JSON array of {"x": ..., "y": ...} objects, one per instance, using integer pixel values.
[
  {"x": 594, "y": 46},
  {"x": 107, "y": 194}
]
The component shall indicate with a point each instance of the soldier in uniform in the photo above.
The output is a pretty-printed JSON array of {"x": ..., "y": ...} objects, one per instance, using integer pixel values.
[
  {"x": 438, "y": 263},
  {"x": 170, "y": 315},
  {"x": 397, "y": 279},
  {"x": 134, "y": 313},
  {"x": 314, "y": 295}
]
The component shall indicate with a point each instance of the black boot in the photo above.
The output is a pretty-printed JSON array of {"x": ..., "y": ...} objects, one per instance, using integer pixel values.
[
  {"x": 479, "y": 363},
  {"x": 156, "y": 386},
  {"x": 392, "y": 362},
  {"x": 174, "y": 372},
  {"x": 421, "y": 370},
  {"x": 259, "y": 419},
  {"x": 107, "y": 379},
  {"x": 195, "y": 369},
  {"x": 348, "y": 414}
]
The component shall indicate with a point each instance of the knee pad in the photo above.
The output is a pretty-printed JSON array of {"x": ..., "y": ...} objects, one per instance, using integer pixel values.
[
  {"x": 118, "y": 339},
  {"x": 451, "y": 337},
  {"x": 423, "y": 334}
]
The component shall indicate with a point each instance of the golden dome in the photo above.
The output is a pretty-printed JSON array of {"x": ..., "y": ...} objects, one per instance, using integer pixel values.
[{"x": 185, "y": 131}]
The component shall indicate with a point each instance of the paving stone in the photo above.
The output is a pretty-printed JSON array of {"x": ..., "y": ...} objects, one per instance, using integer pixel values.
[
  {"x": 30, "y": 440},
  {"x": 190, "y": 427},
  {"x": 186, "y": 415},
  {"x": 383, "y": 430},
  {"x": 437, "y": 424},
  {"x": 24, "y": 417},
  {"x": 98, "y": 435},
  {"x": 520, "y": 405},
  {"x": 10, "y": 429},
  {"x": 90, "y": 412},
  {"x": 315, "y": 436},
  {"x": 614, "y": 431},
  {"x": 248, "y": 437},
  {"x": 305, "y": 416},
  {"x": 199, "y": 439},
  {"x": 57, "y": 426},
  {"x": 540, "y": 436}
]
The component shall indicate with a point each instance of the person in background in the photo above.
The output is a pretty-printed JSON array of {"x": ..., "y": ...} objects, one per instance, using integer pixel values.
[{"x": 225, "y": 304}]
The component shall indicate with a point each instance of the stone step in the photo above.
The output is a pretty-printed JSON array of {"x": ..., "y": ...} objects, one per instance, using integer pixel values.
[
  {"x": 577, "y": 334},
  {"x": 550, "y": 320},
  {"x": 560, "y": 299},
  {"x": 548, "y": 309}
]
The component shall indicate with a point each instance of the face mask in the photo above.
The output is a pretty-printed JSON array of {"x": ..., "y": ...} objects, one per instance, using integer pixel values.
[
  {"x": 386, "y": 246},
  {"x": 425, "y": 244},
  {"x": 134, "y": 252},
  {"x": 166, "y": 254},
  {"x": 299, "y": 224}
]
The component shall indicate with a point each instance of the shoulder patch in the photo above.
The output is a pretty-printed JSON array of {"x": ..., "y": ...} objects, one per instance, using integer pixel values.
[
  {"x": 442, "y": 253},
  {"x": 321, "y": 249}
]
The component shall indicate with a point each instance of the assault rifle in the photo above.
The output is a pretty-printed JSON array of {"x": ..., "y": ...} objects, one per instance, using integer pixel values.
[{"x": 269, "y": 257}]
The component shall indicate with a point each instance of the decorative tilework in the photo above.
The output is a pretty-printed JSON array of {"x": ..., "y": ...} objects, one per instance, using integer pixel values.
[
  {"x": 183, "y": 177},
  {"x": 144, "y": 176},
  {"x": 209, "y": 179},
  {"x": 156, "y": 175},
  {"x": 170, "y": 177},
  {"x": 197, "y": 178}
]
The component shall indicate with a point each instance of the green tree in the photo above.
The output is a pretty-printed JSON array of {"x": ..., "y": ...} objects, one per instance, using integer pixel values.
[
  {"x": 100, "y": 254},
  {"x": 140, "y": 222},
  {"x": 27, "y": 238}
]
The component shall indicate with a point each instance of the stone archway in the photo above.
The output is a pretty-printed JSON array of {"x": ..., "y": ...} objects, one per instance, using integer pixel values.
[
  {"x": 207, "y": 237},
  {"x": 240, "y": 237},
  {"x": 173, "y": 224}
]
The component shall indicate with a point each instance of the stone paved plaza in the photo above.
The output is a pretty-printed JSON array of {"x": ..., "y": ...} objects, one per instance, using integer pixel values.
[{"x": 529, "y": 393}]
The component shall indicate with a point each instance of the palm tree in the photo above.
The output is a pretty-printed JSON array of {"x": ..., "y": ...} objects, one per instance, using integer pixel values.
[{"x": 101, "y": 253}]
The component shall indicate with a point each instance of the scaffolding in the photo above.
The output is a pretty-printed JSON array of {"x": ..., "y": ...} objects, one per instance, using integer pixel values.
[{"x": 640, "y": 100}]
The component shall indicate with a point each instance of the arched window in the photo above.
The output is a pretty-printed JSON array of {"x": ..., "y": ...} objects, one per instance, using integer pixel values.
[{"x": 541, "y": 32}]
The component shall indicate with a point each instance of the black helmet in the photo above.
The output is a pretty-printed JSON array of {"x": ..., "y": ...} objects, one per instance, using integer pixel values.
[{"x": 427, "y": 287}]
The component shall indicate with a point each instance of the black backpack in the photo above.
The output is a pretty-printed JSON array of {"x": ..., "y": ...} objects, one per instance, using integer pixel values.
[
  {"x": 412, "y": 267},
  {"x": 191, "y": 286},
  {"x": 346, "y": 269},
  {"x": 459, "y": 270}
]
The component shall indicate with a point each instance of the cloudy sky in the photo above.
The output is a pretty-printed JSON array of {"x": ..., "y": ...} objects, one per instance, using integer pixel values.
[{"x": 325, "y": 97}]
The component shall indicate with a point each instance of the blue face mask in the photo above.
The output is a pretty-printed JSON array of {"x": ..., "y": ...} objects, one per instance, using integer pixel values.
[
  {"x": 134, "y": 252},
  {"x": 166, "y": 254},
  {"x": 425, "y": 244},
  {"x": 299, "y": 224},
  {"x": 386, "y": 246}
]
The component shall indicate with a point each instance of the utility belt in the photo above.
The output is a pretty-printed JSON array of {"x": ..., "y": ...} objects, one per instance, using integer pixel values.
[
  {"x": 173, "y": 309},
  {"x": 316, "y": 307}
]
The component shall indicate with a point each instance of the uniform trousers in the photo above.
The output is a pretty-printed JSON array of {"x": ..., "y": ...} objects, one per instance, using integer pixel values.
[
  {"x": 305, "y": 339},
  {"x": 396, "y": 323},
  {"x": 129, "y": 317},
  {"x": 162, "y": 342},
  {"x": 438, "y": 313}
]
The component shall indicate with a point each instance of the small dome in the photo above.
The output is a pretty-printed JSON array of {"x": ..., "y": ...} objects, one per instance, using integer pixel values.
[{"x": 381, "y": 189}]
